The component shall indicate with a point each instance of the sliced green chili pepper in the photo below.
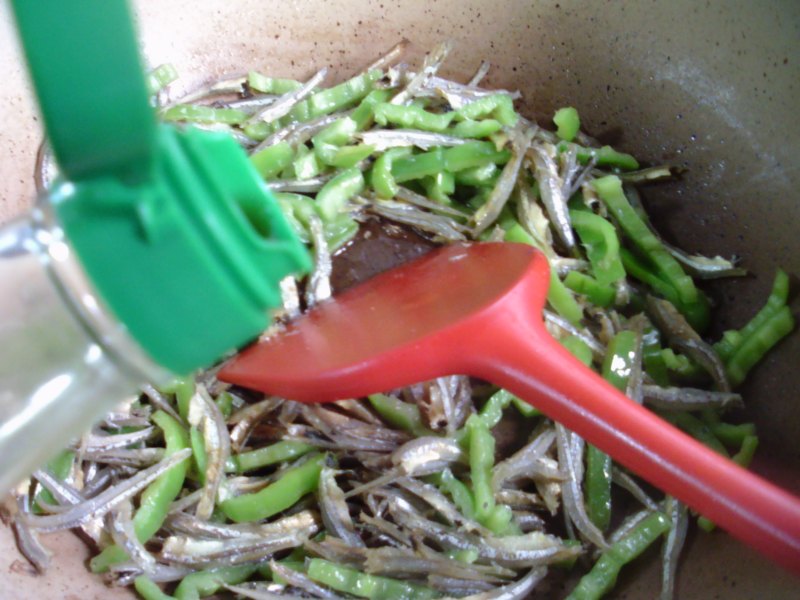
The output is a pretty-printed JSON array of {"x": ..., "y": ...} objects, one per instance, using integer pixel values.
[
  {"x": 204, "y": 114},
  {"x": 697, "y": 429},
  {"x": 382, "y": 179},
  {"x": 498, "y": 106},
  {"x": 459, "y": 492},
  {"x": 412, "y": 117},
  {"x": 777, "y": 299},
  {"x": 271, "y": 85},
  {"x": 333, "y": 196},
  {"x": 558, "y": 295},
  {"x": 160, "y": 77},
  {"x": 277, "y": 496},
  {"x": 485, "y": 175},
  {"x": 732, "y": 435},
  {"x": 306, "y": 164},
  {"x": 404, "y": 415},
  {"x": 473, "y": 154},
  {"x": 59, "y": 467},
  {"x": 475, "y": 129},
  {"x": 439, "y": 187},
  {"x": 481, "y": 463},
  {"x": 270, "y": 161},
  {"x": 206, "y": 583},
  {"x": 350, "y": 581},
  {"x": 568, "y": 123},
  {"x": 604, "y": 573},
  {"x": 199, "y": 456},
  {"x": 604, "y": 156},
  {"x": 350, "y": 156},
  {"x": 183, "y": 389},
  {"x": 578, "y": 348},
  {"x": 364, "y": 114},
  {"x": 156, "y": 498},
  {"x": 334, "y": 98},
  {"x": 600, "y": 240},
  {"x": 267, "y": 455},
  {"x": 149, "y": 589},
  {"x": 597, "y": 293},
  {"x": 757, "y": 344}
]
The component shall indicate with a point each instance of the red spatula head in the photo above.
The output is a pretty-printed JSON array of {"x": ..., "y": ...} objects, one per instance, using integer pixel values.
[{"x": 406, "y": 325}]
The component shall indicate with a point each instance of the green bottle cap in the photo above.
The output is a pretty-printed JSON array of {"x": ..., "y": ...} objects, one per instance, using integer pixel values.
[{"x": 176, "y": 230}]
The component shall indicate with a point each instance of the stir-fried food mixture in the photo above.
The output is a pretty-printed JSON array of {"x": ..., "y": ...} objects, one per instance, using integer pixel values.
[{"x": 420, "y": 492}]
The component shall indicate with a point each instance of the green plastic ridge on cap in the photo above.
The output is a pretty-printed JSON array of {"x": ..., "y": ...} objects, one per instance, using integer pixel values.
[{"x": 189, "y": 261}]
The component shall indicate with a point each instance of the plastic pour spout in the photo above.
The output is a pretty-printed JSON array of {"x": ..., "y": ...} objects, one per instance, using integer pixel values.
[{"x": 156, "y": 248}]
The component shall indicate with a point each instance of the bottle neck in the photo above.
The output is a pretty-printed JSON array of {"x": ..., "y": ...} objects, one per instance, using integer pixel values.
[{"x": 78, "y": 293}]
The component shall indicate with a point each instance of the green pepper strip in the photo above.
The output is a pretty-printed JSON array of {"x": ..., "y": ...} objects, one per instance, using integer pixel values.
[
  {"x": 439, "y": 187},
  {"x": 306, "y": 164},
  {"x": 458, "y": 158},
  {"x": 412, "y": 117},
  {"x": 777, "y": 299},
  {"x": 206, "y": 583},
  {"x": 156, "y": 498},
  {"x": 271, "y": 85},
  {"x": 350, "y": 581},
  {"x": 278, "y": 496},
  {"x": 605, "y": 156},
  {"x": 381, "y": 177},
  {"x": 268, "y": 455},
  {"x": 272, "y": 160},
  {"x": 601, "y": 242},
  {"x": 333, "y": 196},
  {"x": 558, "y": 296},
  {"x": 183, "y": 389},
  {"x": 364, "y": 114},
  {"x": 204, "y": 114},
  {"x": 59, "y": 467},
  {"x": 617, "y": 368},
  {"x": 498, "y": 106},
  {"x": 458, "y": 491},
  {"x": 732, "y": 435},
  {"x": 149, "y": 589},
  {"x": 200, "y": 458},
  {"x": 334, "y": 98},
  {"x": 481, "y": 463},
  {"x": 757, "y": 344},
  {"x": 350, "y": 156},
  {"x": 160, "y": 77},
  {"x": 567, "y": 122},
  {"x": 578, "y": 348},
  {"x": 596, "y": 292},
  {"x": 475, "y": 129},
  {"x": 403, "y": 415},
  {"x": 609, "y": 189},
  {"x": 603, "y": 575},
  {"x": 485, "y": 175}
]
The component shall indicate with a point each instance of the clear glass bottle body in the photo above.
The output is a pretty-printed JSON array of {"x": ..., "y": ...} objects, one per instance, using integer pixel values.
[{"x": 64, "y": 360}]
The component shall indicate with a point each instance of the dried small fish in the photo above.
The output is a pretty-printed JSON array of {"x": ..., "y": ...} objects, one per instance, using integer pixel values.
[
  {"x": 625, "y": 481},
  {"x": 551, "y": 189},
  {"x": 333, "y": 506},
  {"x": 430, "y": 66},
  {"x": 189, "y": 525},
  {"x": 205, "y": 415},
  {"x": 245, "y": 419},
  {"x": 107, "y": 500},
  {"x": 488, "y": 212},
  {"x": 393, "y": 138},
  {"x": 28, "y": 540},
  {"x": 120, "y": 525},
  {"x": 574, "y": 507},
  {"x": 514, "y": 591},
  {"x": 438, "y": 225},
  {"x": 671, "y": 549},
  {"x": 521, "y": 463},
  {"x": 283, "y": 105},
  {"x": 319, "y": 284},
  {"x": 313, "y": 184}
]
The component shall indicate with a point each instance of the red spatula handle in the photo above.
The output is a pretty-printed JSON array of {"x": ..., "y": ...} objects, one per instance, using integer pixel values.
[{"x": 527, "y": 361}]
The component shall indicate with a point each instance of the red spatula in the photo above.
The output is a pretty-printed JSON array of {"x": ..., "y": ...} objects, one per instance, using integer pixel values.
[{"x": 477, "y": 310}]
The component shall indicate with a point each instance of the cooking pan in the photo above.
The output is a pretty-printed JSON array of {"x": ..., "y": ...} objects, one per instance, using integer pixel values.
[{"x": 709, "y": 87}]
